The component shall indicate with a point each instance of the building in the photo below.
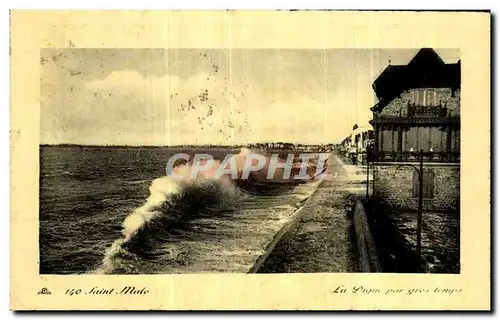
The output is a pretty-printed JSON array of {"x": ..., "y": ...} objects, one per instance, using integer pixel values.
[
  {"x": 361, "y": 137},
  {"x": 418, "y": 108},
  {"x": 354, "y": 146},
  {"x": 344, "y": 146}
]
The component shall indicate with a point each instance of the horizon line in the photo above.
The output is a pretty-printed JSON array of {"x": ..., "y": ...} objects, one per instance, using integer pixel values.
[{"x": 178, "y": 145}]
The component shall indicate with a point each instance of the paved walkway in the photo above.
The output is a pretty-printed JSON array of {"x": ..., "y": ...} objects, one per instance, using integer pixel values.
[{"x": 320, "y": 240}]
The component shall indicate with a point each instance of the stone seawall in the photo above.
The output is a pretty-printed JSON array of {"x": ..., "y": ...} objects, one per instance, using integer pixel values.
[
  {"x": 395, "y": 188},
  {"x": 365, "y": 245}
]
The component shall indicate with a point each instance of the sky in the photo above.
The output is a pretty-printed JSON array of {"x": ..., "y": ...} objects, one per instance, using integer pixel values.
[{"x": 212, "y": 96}]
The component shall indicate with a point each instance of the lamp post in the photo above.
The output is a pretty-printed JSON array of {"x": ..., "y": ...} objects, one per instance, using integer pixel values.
[
  {"x": 367, "y": 179},
  {"x": 420, "y": 171},
  {"x": 370, "y": 157}
]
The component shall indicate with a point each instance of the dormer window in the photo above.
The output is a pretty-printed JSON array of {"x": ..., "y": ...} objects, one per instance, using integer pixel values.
[{"x": 424, "y": 97}]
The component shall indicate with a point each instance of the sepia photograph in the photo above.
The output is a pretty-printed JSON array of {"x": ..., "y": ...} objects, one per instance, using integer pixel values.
[
  {"x": 382, "y": 125},
  {"x": 211, "y": 160}
]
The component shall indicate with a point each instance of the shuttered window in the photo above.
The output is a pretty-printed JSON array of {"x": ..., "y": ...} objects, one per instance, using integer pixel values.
[
  {"x": 420, "y": 97},
  {"x": 423, "y": 97},
  {"x": 430, "y": 98}
]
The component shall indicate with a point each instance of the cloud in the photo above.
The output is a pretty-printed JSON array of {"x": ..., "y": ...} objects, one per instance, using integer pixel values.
[
  {"x": 131, "y": 81},
  {"x": 225, "y": 114},
  {"x": 200, "y": 108},
  {"x": 164, "y": 87},
  {"x": 208, "y": 108}
]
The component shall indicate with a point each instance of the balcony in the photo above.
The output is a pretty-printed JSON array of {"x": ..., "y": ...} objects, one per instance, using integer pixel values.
[
  {"x": 415, "y": 111},
  {"x": 406, "y": 156},
  {"x": 416, "y": 120},
  {"x": 419, "y": 115}
]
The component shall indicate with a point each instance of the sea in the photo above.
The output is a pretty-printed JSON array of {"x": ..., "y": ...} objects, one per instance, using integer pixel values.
[{"x": 110, "y": 210}]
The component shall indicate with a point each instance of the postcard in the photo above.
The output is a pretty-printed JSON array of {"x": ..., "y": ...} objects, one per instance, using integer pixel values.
[{"x": 250, "y": 160}]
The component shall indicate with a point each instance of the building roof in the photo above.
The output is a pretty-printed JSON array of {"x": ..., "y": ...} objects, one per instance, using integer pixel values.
[
  {"x": 362, "y": 129},
  {"x": 425, "y": 70}
]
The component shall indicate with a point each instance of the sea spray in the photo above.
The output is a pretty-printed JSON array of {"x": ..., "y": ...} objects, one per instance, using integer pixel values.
[
  {"x": 174, "y": 199},
  {"x": 170, "y": 202},
  {"x": 179, "y": 195},
  {"x": 160, "y": 190}
]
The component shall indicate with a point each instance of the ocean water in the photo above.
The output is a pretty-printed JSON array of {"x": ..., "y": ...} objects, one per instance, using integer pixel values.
[{"x": 100, "y": 213}]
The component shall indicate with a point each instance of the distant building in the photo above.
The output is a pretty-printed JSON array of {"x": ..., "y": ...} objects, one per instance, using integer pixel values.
[
  {"x": 354, "y": 146},
  {"x": 360, "y": 138},
  {"x": 418, "y": 108}
]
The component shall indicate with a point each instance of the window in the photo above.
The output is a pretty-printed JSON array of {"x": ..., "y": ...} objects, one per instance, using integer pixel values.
[
  {"x": 437, "y": 137},
  {"x": 428, "y": 184},
  {"x": 410, "y": 139},
  {"x": 419, "y": 97},
  {"x": 423, "y": 97},
  {"x": 386, "y": 144},
  {"x": 431, "y": 98}
]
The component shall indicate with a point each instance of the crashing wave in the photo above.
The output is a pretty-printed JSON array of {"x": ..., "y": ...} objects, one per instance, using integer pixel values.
[{"x": 173, "y": 201}]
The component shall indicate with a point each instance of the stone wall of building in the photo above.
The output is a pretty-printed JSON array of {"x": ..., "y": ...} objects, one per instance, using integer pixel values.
[
  {"x": 394, "y": 188},
  {"x": 398, "y": 106}
]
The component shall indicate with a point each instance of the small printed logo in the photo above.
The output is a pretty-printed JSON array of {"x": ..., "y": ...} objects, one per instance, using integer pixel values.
[{"x": 44, "y": 291}]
